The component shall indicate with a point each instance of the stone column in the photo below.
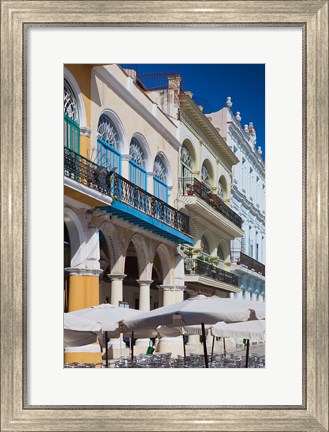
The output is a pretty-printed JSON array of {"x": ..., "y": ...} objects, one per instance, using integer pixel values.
[
  {"x": 150, "y": 184},
  {"x": 84, "y": 287},
  {"x": 169, "y": 294},
  {"x": 116, "y": 288},
  {"x": 144, "y": 294},
  {"x": 125, "y": 158}
]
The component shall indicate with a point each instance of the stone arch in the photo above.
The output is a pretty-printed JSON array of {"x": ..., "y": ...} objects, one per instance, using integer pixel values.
[
  {"x": 78, "y": 94},
  {"x": 164, "y": 256},
  {"x": 146, "y": 148},
  {"x": 206, "y": 234},
  {"x": 224, "y": 246},
  {"x": 76, "y": 234},
  {"x": 190, "y": 147},
  {"x": 166, "y": 162},
  {"x": 114, "y": 247},
  {"x": 123, "y": 147},
  {"x": 222, "y": 187},
  {"x": 139, "y": 244},
  {"x": 207, "y": 165}
]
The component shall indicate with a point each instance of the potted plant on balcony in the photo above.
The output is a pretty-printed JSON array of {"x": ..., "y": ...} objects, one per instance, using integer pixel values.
[
  {"x": 189, "y": 189},
  {"x": 213, "y": 260}
]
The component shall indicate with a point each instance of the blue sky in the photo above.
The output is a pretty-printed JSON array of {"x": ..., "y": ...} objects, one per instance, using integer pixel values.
[{"x": 212, "y": 83}]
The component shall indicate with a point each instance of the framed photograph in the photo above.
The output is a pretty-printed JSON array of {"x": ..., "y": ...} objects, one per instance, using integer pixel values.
[{"x": 290, "y": 38}]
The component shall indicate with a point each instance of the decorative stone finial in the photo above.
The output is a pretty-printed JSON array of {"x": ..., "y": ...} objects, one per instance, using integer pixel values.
[
  {"x": 260, "y": 150},
  {"x": 238, "y": 117},
  {"x": 229, "y": 103},
  {"x": 251, "y": 127},
  {"x": 246, "y": 128}
]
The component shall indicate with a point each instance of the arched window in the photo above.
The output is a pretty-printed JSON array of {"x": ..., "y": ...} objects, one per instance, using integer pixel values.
[
  {"x": 160, "y": 187},
  {"x": 71, "y": 119},
  {"x": 205, "y": 246},
  {"x": 137, "y": 173},
  {"x": 186, "y": 161},
  {"x": 220, "y": 189},
  {"x": 108, "y": 144},
  {"x": 205, "y": 175},
  {"x": 220, "y": 256}
]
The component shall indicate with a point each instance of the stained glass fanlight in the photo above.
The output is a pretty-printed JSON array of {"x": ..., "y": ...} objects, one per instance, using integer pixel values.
[
  {"x": 186, "y": 157},
  {"x": 159, "y": 169},
  {"x": 136, "y": 152},
  {"x": 107, "y": 131},
  {"x": 205, "y": 176},
  {"x": 70, "y": 103}
]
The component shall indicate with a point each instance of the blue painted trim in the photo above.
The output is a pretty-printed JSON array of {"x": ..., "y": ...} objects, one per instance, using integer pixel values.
[
  {"x": 134, "y": 167},
  {"x": 112, "y": 153},
  {"x": 128, "y": 213},
  {"x": 156, "y": 183}
]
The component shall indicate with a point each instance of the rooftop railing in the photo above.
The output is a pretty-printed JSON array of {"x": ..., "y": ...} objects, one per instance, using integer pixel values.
[{"x": 192, "y": 186}]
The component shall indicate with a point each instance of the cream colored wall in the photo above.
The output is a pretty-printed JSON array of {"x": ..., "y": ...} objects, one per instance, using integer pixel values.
[
  {"x": 104, "y": 98},
  {"x": 203, "y": 152}
]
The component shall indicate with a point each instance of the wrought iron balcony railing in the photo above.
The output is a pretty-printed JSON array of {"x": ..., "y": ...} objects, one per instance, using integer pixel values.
[
  {"x": 248, "y": 262},
  {"x": 112, "y": 184},
  {"x": 202, "y": 268},
  {"x": 86, "y": 172},
  {"x": 192, "y": 186}
]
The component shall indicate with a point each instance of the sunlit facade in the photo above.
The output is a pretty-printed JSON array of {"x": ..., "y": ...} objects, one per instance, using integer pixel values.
[{"x": 247, "y": 199}]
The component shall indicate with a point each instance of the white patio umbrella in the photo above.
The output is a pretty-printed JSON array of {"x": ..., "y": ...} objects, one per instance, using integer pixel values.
[
  {"x": 198, "y": 310},
  {"x": 250, "y": 330},
  {"x": 254, "y": 330},
  {"x": 107, "y": 316},
  {"x": 79, "y": 331}
]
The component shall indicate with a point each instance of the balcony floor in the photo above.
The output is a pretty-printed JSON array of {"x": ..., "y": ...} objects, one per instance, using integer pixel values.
[
  {"x": 137, "y": 217},
  {"x": 207, "y": 281}
]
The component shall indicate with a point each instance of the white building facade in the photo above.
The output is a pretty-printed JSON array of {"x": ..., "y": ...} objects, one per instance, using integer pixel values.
[
  {"x": 204, "y": 193},
  {"x": 247, "y": 199}
]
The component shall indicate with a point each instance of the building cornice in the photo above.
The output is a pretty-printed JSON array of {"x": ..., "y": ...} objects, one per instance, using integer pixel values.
[
  {"x": 193, "y": 112},
  {"x": 134, "y": 103}
]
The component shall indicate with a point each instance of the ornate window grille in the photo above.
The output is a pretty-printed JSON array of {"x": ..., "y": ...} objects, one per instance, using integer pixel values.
[
  {"x": 108, "y": 144},
  {"x": 71, "y": 119},
  {"x": 186, "y": 160},
  {"x": 160, "y": 187},
  {"x": 70, "y": 103},
  {"x": 205, "y": 176},
  {"x": 107, "y": 132},
  {"x": 137, "y": 173}
]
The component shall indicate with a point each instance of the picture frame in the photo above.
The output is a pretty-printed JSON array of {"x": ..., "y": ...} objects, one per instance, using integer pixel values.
[{"x": 17, "y": 16}]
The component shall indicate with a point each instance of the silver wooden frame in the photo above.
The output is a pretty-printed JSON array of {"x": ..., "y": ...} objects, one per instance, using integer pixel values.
[{"x": 312, "y": 16}]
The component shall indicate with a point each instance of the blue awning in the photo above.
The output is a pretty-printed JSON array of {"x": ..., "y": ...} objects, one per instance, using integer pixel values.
[{"x": 137, "y": 217}]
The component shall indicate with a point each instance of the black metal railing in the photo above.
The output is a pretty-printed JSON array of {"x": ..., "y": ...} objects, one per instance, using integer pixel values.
[
  {"x": 127, "y": 192},
  {"x": 112, "y": 184},
  {"x": 248, "y": 262},
  {"x": 202, "y": 268},
  {"x": 192, "y": 186},
  {"x": 86, "y": 172}
]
